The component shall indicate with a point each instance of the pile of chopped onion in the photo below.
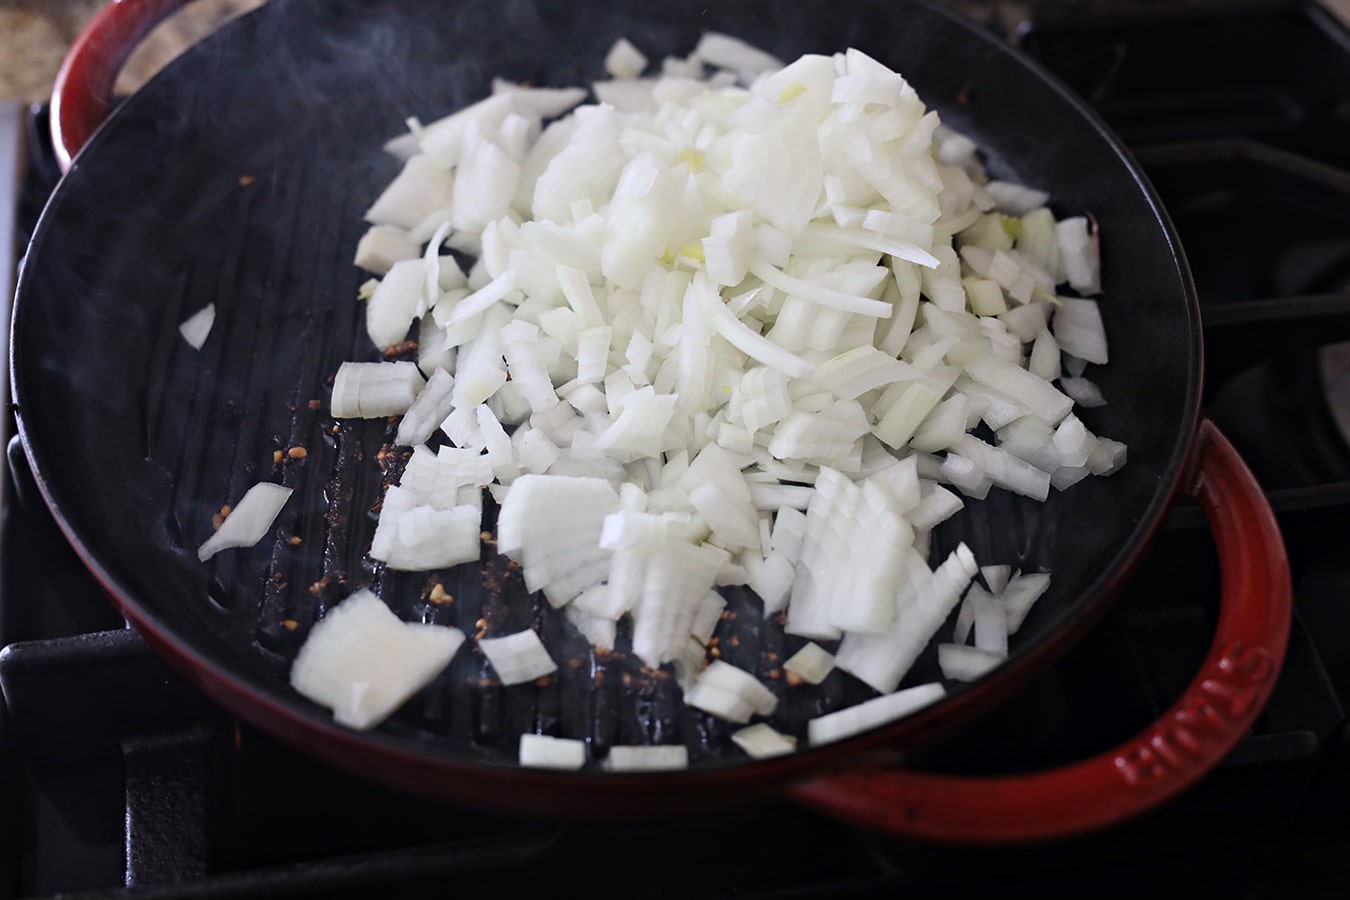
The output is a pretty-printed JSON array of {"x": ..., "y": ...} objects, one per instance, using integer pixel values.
[{"x": 764, "y": 326}]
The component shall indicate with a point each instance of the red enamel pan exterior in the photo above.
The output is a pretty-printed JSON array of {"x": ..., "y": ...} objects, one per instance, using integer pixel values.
[{"x": 218, "y": 134}]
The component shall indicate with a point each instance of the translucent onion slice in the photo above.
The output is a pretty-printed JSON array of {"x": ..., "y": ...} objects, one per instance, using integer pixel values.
[
  {"x": 248, "y": 521},
  {"x": 811, "y": 664},
  {"x": 518, "y": 658},
  {"x": 363, "y": 662},
  {"x": 541, "y": 751},
  {"x": 197, "y": 326},
  {"x": 961, "y": 663},
  {"x": 877, "y": 711},
  {"x": 647, "y": 758},
  {"x": 760, "y": 741}
]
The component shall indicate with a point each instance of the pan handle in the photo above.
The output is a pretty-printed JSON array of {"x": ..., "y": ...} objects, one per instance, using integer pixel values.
[
  {"x": 1215, "y": 711},
  {"x": 84, "y": 84}
]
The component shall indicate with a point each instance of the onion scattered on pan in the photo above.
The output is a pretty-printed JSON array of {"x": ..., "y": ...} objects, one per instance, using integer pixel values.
[
  {"x": 363, "y": 662},
  {"x": 196, "y": 327},
  {"x": 766, "y": 326},
  {"x": 248, "y": 521}
]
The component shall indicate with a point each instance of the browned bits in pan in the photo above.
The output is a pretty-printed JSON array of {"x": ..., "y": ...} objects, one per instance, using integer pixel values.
[
  {"x": 246, "y": 180},
  {"x": 277, "y": 457},
  {"x": 315, "y": 404},
  {"x": 487, "y": 538},
  {"x": 297, "y": 453},
  {"x": 319, "y": 586},
  {"x": 775, "y": 674},
  {"x": 543, "y": 681},
  {"x": 793, "y": 679},
  {"x": 295, "y": 540},
  {"x": 289, "y": 624},
  {"x": 403, "y": 349},
  {"x": 439, "y": 596},
  {"x": 219, "y": 518}
]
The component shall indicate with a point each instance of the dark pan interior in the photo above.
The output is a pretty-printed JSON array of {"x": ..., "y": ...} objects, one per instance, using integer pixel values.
[{"x": 239, "y": 177}]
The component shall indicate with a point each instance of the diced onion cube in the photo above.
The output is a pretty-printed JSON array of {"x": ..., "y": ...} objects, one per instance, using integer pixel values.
[
  {"x": 811, "y": 663},
  {"x": 759, "y": 741},
  {"x": 647, "y": 758},
  {"x": 518, "y": 658},
  {"x": 543, "y": 752},
  {"x": 363, "y": 662}
]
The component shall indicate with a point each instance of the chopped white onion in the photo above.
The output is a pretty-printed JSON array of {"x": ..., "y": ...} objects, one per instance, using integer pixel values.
[
  {"x": 760, "y": 741},
  {"x": 519, "y": 657},
  {"x": 1023, "y": 590},
  {"x": 647, "y": 758},
  {"x": 544, "y": 752},
  {"x": 871, "y": 713},
  {"x": 375, "y": 390},
  {"x": 197, "y": 326},
  {"x": 248, "y": 521},
  {"x": 363, "y": 662},
  {"x": 961, "y": 663},
  {"x": 698, "y": 310},
  {"x": 811, "y": 663}
]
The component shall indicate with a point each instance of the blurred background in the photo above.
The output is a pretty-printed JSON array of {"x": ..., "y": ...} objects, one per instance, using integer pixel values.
[{"x": 34, "y": 35}]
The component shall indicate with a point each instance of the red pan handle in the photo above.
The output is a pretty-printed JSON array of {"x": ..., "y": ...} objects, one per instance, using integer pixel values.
[
  {"x": 1215, "y": 711},
  {"x": 84, "y": 85}
]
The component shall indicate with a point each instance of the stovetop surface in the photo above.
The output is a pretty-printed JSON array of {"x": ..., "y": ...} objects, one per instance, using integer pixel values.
[{"x": 116, "y": 773}]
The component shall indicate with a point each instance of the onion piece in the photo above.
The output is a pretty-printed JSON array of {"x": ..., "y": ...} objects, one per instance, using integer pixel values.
[
  {"x": 624, "y": 60},
  {"x": 727, "y": 52},
  {"x": 248, "y": 521},
  {"x": 1079, "y": 255},
  {"x": 413, "y": 537},
  {"x": 877, "y": 711},
  {"x": 740, "y": 683},
  {"x": 996, "y": 578},
  {"x": 428, "y": 410},
  {"x": 382, "y": 246},
  {"x": 551, "y": 525},
  {"x": 811, "y": 663},
  {"x": 541, "y": 751},
  {"x": 760, "y": 741},
  {"x": 647, "y": 758},
  {"x": 1083, "y": 391},
  {"x": 363, "y": 662},
  {"x": 197, "y": 326},
  {"x": 420, "y": 189},
  {"x": 1078, "y": 329},
  {"x": 825, "y": 297},
  {"x": 518, "y": 658},
  {"x": 961, "y": 663},
  {"x": 1023, "y": 590},
  {"x": 375, "y": 390}
]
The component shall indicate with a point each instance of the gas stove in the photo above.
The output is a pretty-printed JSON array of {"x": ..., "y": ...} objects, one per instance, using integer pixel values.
[{"x": 120, "y": 779}]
